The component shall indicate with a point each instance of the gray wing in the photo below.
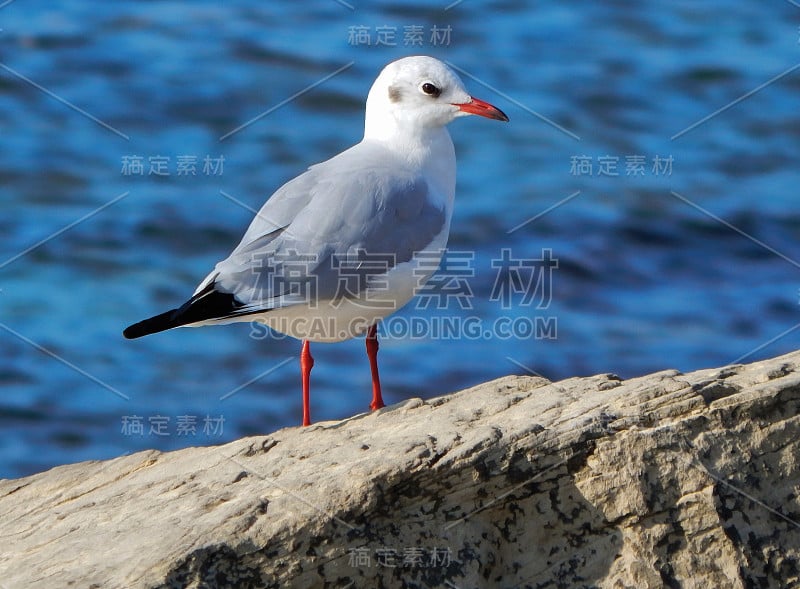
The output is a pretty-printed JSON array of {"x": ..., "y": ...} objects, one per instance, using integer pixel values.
[{"x": 330, "y": 232}]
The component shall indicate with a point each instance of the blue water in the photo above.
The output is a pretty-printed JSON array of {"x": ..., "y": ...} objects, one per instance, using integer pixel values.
[{"x": 658, "y": 266}]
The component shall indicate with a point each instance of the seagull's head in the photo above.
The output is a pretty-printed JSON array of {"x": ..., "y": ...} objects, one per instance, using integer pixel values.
[{"x": 419, "y": 93}]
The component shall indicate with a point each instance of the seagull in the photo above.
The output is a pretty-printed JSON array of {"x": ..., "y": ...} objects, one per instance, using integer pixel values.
[{"x": 352, "y": 239}]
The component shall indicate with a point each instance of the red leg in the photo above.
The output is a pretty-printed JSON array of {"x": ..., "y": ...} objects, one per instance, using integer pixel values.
[
  {"x": 372, "y": 353},
  {"x": 306, "y": 364}
]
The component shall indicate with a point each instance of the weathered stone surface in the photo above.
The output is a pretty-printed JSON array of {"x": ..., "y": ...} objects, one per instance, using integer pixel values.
[{"x": 669, "y": 480}]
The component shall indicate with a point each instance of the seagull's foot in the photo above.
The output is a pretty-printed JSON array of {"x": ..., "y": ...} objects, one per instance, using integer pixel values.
[
  {"x": 306, "y": 364},
  {"x": 372, "y": 354}
]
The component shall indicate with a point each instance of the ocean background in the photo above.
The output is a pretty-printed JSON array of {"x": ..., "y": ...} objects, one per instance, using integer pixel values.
[{"x": 652, "y": 150}]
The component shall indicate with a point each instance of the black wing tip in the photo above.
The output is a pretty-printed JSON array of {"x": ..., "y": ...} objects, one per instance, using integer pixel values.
[
  {"x": 131, "y": 332},
  {"x": 135, "y": 331},
  {"x": 155, "y": 324},
  {"x": 207, "y": 304}
]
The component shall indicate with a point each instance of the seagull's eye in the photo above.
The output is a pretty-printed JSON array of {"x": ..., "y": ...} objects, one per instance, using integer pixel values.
[{"x": 430, "y": 89}]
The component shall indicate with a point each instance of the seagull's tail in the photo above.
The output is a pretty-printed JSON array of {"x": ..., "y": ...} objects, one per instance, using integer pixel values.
[{"x": 208, "y": 304}]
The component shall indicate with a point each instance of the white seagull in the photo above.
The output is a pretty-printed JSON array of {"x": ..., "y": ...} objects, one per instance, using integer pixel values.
[{"x": 350, "y": 240}]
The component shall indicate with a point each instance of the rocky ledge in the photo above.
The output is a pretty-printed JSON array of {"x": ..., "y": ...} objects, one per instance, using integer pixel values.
[{"x": 668, "y": 480}]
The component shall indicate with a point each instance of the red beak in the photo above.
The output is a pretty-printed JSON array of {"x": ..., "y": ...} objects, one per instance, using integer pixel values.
[{"x": 481, "y": 108}]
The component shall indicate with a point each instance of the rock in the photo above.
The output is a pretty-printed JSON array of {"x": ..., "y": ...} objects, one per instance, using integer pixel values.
[{"x": 669, "y": 480}]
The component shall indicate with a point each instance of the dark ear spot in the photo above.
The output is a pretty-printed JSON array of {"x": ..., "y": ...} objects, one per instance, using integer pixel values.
[{"x": 394, "y": 94}]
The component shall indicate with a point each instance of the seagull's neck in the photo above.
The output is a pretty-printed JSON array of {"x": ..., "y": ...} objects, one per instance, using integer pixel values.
[{"x": 428, "y": 149}]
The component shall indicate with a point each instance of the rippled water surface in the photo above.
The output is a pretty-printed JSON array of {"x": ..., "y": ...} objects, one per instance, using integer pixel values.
[{"x": 652, "y": 149}]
